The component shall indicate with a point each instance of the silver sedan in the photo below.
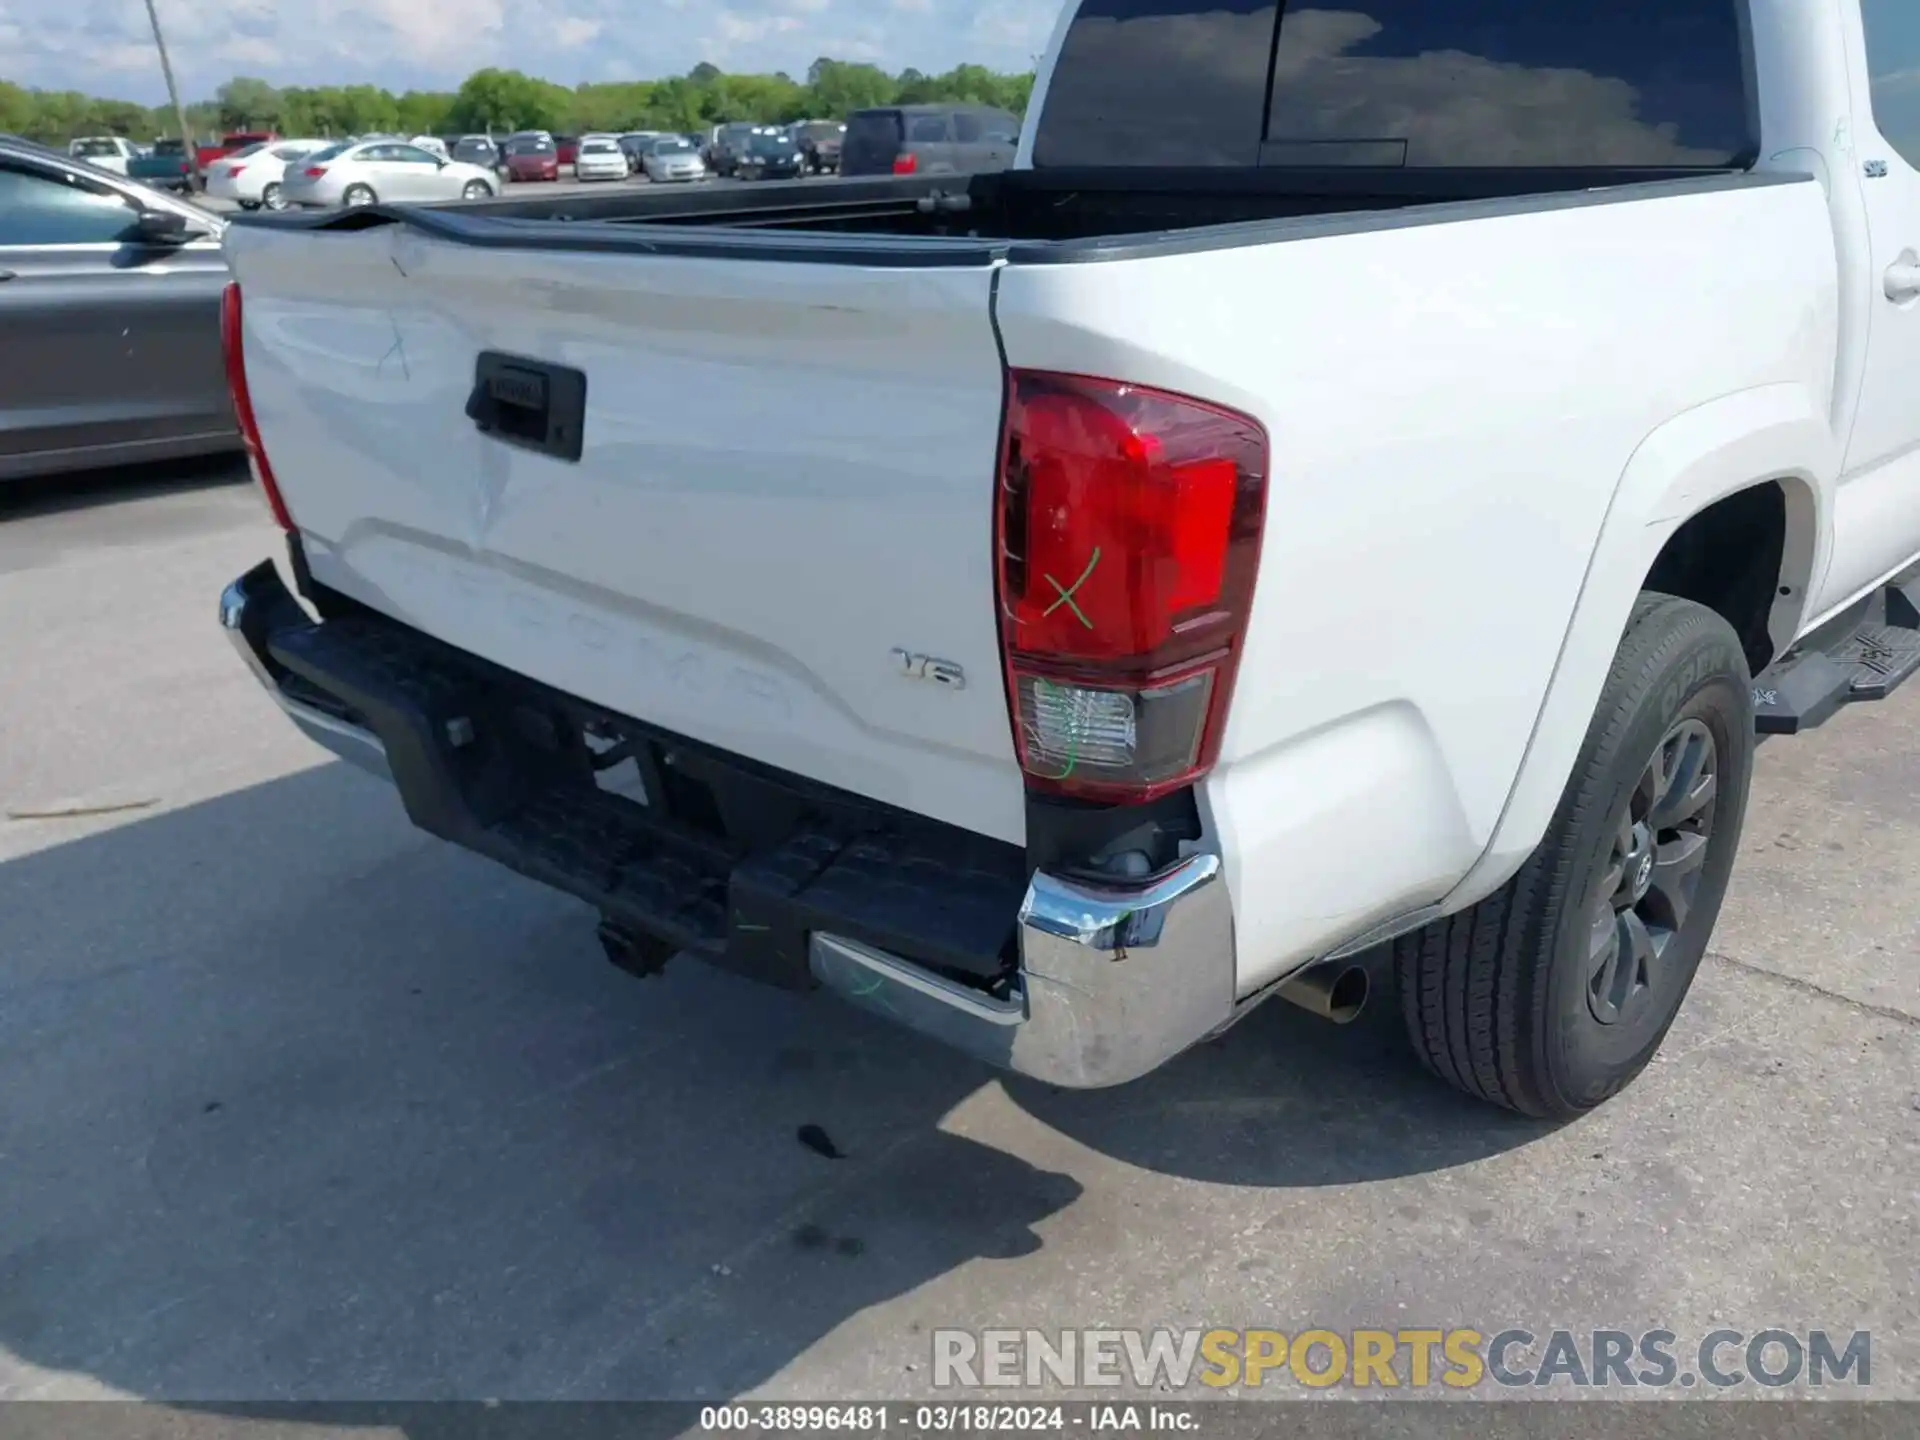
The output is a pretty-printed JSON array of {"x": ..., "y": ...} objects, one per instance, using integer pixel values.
[
  {"x": 673, "y": 159},
  {"x": 369, "y": 171}
]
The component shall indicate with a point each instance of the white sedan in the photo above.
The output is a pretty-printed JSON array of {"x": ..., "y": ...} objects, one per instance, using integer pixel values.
[
  {"x": 600, "y": 158},
  {"x": 372, "y": 171},
  {"x": 255, "y": 177}
]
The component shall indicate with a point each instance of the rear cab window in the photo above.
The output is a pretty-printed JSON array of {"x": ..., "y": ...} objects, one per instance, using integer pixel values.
[
  {"x": 1402, "y": 84},
  {"x": 1893, "y": 70}
]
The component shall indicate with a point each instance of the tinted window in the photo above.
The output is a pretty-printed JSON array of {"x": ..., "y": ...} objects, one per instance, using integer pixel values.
[
  {"x": 967, "y": 129},
  {"x": 93, "y": 149},
  {"x": 413, "y": 155},
  {"x": 331, "y": 152},
  {"x": 169, "y": 147},
  {"x": 927, "y": 130},
  {"x": 873, "y": 139},
  {"x": 1159, "y": 82},
  {"x": 1509, "y": 82},
  {"x": 41, "y": 209},
  {"x": 1893, "y": 63}
]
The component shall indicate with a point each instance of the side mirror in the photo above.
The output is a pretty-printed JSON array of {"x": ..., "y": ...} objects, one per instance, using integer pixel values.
[{"x": 165, "y": 227}]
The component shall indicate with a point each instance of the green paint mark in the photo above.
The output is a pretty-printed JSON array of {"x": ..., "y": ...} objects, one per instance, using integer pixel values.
[
  {"x": 1073, "y": 742},
  {"x": 1067, "y": 592}
]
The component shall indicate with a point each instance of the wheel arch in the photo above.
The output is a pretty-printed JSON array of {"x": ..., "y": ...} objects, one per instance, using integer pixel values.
[{"x": 1774, "y": 438}]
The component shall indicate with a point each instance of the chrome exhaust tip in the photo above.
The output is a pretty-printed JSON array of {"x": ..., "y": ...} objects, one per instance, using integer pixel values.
[{"x": 1334, "y": 990}]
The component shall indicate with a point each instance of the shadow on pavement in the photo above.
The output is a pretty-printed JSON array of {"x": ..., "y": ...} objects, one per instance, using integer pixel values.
[
  {"x": 117, "y": 485},
  {"x": 302, "y": 1105}
]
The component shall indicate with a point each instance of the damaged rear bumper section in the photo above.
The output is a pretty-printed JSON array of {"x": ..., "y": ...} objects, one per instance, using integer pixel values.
[{"x": 1076, "y": 984}]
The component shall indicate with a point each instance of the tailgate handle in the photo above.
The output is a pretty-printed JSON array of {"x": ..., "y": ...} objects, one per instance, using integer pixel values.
[{"x": 529, "y": 403}]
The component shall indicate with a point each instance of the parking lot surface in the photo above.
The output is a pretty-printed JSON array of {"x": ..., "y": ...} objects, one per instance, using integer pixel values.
[{"x": 302, "y": 1104}]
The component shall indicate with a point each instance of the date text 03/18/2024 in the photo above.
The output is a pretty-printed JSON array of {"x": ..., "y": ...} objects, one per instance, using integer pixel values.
[{"x": 910, "y": 1419}]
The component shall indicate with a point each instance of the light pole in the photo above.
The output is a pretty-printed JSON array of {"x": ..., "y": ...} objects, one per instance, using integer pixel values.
[{"x": 190, "y": 150}]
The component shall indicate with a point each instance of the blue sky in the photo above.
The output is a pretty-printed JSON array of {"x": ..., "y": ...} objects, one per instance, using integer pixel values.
[{"x": 104, "y": 46}]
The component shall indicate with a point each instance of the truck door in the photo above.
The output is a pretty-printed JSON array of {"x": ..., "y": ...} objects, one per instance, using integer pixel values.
[{"x": 1877, "y": 510}]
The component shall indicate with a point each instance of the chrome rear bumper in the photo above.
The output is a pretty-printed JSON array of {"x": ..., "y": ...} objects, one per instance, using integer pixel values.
[{"x": 1112, "y": 981}]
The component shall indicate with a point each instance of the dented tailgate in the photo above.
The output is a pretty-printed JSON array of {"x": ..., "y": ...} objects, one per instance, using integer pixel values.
[{"x": 784, "y": 485}]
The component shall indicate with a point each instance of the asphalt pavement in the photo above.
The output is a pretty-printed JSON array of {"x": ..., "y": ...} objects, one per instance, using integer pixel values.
[{"x": 299, "y": 1103}]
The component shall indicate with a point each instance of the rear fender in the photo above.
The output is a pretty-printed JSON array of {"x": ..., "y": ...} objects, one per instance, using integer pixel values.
[{"x": 1777, "y": 433}]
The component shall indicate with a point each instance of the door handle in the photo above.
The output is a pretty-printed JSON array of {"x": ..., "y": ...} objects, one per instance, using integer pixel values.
[{"x": 1903, "y": 279}]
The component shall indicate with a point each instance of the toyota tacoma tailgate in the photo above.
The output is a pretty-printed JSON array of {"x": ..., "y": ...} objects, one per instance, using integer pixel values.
[{"x": 747, "y": 499}]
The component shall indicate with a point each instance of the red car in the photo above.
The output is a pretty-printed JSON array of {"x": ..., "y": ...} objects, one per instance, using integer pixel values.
[
  {"x": 532, "y": 158},
  {"x": 238, "y": 140}
]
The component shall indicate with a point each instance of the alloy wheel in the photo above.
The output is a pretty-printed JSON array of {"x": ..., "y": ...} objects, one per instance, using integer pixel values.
[{"x": 1645, "y": 894}]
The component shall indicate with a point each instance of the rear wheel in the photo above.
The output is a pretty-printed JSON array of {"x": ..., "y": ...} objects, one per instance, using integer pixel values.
[
  {"x": 1553, "y": 993},
  {"x": 476, "y": 190},
  {"x": 359, "y": 195},
  {"x": 273, "y": 197}
]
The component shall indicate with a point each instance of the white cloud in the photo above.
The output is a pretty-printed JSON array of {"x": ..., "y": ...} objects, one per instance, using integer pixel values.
[
  {"x": 1449, "y": 103},
  {"x": 105, "y": 45}
]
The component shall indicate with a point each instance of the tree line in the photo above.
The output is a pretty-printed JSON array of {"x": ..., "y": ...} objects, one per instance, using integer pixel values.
[{"x": 502, "y": 100}]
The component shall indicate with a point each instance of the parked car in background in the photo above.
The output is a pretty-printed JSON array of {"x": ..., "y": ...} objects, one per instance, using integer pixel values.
[
  {"x": 168, "y": 166},
  {"x": 566, "y": 148},
  {"x": 109, "y": 320},
  {"x": 600, "y": 157},
  {"x": 432, "y": 144},
  {"x": 229, "y": 143},
  {"x": 724, "y": 145},
  {"x": 769, "y": 155},
  {"x": 254, "y": 178},
  {"x": 104, "y": 152},
  {"x": 531, "y": 157},
  {"x": 482, "y": 151},
  {"x": 819, "y": 142},
  {"x": 634, "y": 143},
  {"x": 673, "y": 158},
  {"x": 383, "y": 170},
  {"x": 929, "y": 140}
]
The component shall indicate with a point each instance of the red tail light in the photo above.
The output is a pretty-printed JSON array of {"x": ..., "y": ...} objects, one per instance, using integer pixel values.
[
  {"x": 314, "y": 172},
  {"x": 232, "y": 342},
  {"x": 906, "y": 164},
  {"x": 1127, "y": 538},
  {"x": 233, "y": 170}
]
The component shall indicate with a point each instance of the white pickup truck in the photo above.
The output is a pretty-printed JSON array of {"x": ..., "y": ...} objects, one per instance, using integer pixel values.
[
  {"x": 1346, "y": 499},
  {"x": 104, "y": 152}
]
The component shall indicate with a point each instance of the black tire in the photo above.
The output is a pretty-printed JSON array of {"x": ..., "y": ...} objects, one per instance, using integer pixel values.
[
  {"x": 476, "y": 190},
  {"x": 273, "y": 197},
  {"x": 1515, "y": 1000},
  {"x": 358, "y": 195}
]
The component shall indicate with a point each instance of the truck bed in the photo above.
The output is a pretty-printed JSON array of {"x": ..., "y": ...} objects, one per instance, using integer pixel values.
[{"x": 1090, "y": 209}]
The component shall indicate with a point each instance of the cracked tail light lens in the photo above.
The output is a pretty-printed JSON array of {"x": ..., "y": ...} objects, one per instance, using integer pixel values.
[{"x": 1127, "y": 536}]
